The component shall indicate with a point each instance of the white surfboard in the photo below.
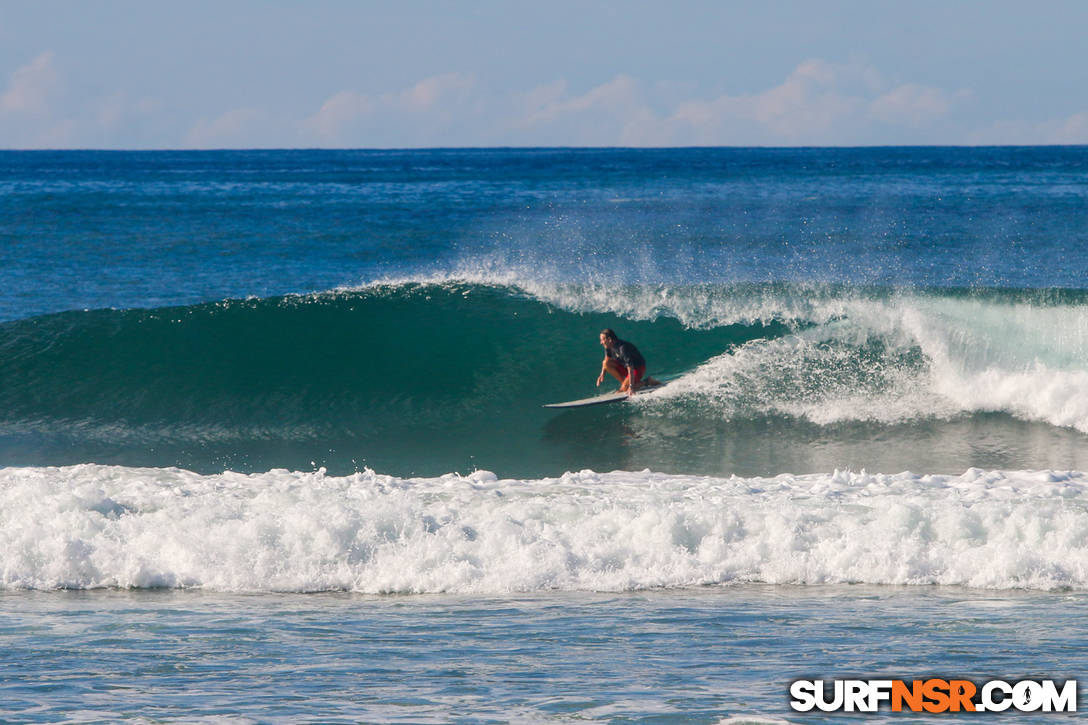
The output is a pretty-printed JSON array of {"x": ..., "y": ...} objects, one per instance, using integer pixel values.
[
  {"x": 602, "y": 399},
  {"x": 595, "y": 400}
]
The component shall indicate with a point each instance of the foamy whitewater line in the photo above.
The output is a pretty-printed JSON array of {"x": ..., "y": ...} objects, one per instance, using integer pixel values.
[{"x": 92, "y": 526}]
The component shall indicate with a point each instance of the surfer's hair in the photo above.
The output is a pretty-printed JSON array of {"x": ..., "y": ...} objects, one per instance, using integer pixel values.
[{"x": 609, "y": 334}]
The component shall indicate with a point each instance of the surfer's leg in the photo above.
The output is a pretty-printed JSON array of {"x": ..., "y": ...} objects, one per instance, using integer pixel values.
[
  {"x": 619, "y": 372},
  {"x": 616, "y": 370}
]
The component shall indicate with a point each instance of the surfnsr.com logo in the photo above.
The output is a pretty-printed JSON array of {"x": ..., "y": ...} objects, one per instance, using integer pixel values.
[{"x": 933, "y": 695}]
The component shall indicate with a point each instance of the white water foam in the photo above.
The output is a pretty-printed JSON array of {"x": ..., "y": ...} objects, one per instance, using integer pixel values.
[{"x": 91, "y": 526}]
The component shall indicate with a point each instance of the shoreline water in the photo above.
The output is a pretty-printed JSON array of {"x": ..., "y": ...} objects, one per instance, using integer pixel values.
[{"x": 690, "y": 655}]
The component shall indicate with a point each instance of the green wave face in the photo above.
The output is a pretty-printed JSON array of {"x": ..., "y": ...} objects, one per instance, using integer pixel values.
[
  {"x": 403, "y": 377},
  {"x": 450, "y": 375}
]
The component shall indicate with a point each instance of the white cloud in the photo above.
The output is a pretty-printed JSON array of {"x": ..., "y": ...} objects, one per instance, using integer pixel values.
[
  {"x": 430, "y": 102},
  {"x": 811, "y": 99},
  {"x": 809, "y": 103},
  {"x": 618, "y": 112},
  {"x": 27, "y": 108},
  {"x": 622, "y": 95},
  {"x": 914, "y": 105},
  {"x": 432, "y": 92},
  {"x": 1070, "y": 130},
  {"x": 532, "y": 103},
  {"x": 30, "y": 87},
  {"x": 341, "y": 109},
  {"x": 818, "y": 103},
  {"x": 235, "y": 128}
]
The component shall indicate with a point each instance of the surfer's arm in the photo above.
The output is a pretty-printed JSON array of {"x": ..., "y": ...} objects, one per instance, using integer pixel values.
[{"x": 604, "y": 369}]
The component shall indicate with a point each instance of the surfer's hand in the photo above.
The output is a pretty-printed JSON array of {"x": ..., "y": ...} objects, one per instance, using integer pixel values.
[{"x": 600, "y": 379}]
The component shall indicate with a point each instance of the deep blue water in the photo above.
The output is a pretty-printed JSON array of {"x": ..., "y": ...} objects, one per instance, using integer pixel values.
[{"x": 143, "y": 229}]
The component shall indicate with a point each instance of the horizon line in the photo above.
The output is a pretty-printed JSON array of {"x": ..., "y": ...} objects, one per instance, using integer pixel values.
[{"x": 242, "y": 149}]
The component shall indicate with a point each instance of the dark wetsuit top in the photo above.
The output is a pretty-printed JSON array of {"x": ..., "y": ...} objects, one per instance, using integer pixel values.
[{"x": 626, "y": 354}]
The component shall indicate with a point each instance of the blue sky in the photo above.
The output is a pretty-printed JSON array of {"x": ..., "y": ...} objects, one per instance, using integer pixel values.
[{"x": 246, "y": 74}]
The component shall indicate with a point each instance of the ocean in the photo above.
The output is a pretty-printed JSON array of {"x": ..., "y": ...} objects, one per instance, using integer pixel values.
[{"x": 272, "y": 443}]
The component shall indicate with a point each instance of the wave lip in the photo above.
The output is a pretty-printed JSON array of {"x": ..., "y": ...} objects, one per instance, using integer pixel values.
[{"x": 92, "y": 526}]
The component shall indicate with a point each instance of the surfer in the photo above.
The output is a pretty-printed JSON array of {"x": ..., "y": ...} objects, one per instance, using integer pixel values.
[{"x": 624, "y": 362}]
